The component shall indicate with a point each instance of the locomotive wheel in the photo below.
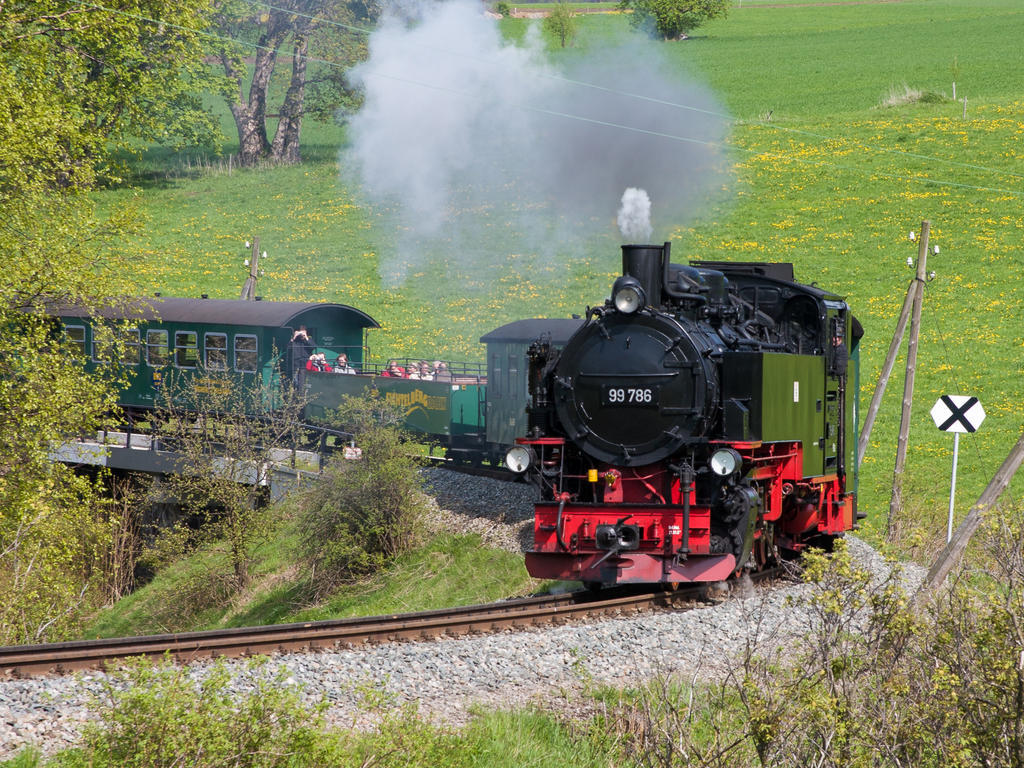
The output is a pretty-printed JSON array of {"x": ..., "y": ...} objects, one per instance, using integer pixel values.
[{"x": 765, "y": 550}]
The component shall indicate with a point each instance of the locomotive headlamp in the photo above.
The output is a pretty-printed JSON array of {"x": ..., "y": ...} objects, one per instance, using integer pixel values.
[
  {"x": 518, "y": 458},
  {"x": 628, "y": 295},
  {"x": 725, "y": 462}
]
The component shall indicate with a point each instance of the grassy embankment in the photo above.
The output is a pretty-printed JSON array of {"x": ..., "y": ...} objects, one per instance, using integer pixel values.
[{"x": 824, "y": 176}]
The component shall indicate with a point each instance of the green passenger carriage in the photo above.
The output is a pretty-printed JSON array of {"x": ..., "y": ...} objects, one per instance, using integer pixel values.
[
  {"x": 200, "y": 341},
  {"x": 192, "y": 339}
]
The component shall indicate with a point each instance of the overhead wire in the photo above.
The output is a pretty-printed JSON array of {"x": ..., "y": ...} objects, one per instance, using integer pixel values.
[
  {"x": 951, "y": 373},
  {"x": 665, "y": 102},
  {"x": 565, "y": 115}
]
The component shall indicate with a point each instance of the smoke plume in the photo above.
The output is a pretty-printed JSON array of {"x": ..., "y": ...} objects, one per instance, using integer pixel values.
[
  {"x": 479, "y": 149},
  {"x": 635, "y": 216}
]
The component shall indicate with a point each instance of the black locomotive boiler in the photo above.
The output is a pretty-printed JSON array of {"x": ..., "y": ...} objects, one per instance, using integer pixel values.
[{"x": 701, "y": 421}]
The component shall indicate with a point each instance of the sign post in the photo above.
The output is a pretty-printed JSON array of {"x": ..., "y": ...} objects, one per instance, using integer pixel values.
[
  {"x": 952, "y": 487},
  {"x": 956, "y": 414}
]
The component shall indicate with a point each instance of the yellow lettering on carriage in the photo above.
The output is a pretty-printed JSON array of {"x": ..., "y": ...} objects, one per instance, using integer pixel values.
[{"x": 416, "y": 398}]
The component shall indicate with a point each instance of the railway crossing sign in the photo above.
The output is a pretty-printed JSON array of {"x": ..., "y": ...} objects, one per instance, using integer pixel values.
[{"x": 956, "y": 414}]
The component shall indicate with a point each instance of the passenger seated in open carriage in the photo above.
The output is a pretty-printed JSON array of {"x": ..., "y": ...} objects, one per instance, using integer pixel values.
[
  {"x": 394, "y": 370},
  {"x": 421, "y": 370},
  {"x": 441, "y": 372},
  {"x": 341, "y": 364},
  {"x": 318, "y": 363}
]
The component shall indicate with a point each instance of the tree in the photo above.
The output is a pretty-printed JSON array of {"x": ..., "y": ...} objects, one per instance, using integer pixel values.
[
  {"x": 328, "y": 35},
  {"x": 561, "y": 23},
  {"x": 228, "y": 445},
  {"x": 52, "y": 527},
  {"x": 673, "y": 19},
  {"x": 78, "y": 80}
]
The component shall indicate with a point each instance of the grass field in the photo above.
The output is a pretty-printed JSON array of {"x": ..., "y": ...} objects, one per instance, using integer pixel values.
[
  {"x": 821, "y": 175},
  {"x": 447, "y": 571}
]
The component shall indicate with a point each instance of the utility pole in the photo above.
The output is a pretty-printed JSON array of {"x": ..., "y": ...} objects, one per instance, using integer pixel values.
[
  {"x": 249, "y": 289},
  {"x": 883, "y": 378},
  {"x": 896, "y": 503}
]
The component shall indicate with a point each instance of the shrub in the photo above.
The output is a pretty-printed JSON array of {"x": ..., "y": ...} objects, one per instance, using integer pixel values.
[
  {"x": 672, "y": 19},
  {"x": 877, "y": 680},
  {"x": 560, "y": 23},
  {"x": 363, "y": 512},
  {"x": 157, "y": 715},
  {"x": 901, "y": 95},
  {"x": 504, "y": 9}
]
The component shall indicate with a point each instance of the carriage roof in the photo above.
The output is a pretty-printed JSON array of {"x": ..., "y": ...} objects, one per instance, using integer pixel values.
[
  {"x": 276, "y": 314},
  {"x": 527, "y": 331}
]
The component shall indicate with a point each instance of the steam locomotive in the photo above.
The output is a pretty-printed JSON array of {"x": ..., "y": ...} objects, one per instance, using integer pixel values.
[{"x": 700, "y": 422}]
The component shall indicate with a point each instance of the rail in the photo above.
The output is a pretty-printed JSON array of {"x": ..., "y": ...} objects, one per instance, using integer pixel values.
[{"x": 60, "y": 658}]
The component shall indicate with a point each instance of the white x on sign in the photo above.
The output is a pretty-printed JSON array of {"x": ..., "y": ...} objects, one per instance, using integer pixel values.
[{"x": 958, "y": 413}]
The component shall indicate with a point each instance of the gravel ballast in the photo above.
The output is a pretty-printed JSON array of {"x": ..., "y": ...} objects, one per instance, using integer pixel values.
[{"x": 446, "y": 677}]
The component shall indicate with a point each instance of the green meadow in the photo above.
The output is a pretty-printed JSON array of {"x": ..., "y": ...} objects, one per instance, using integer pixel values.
[{"x": 843, "y": 137}]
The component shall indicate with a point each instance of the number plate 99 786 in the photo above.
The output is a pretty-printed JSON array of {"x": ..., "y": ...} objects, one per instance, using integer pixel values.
[{"x": 615, "y": 396}]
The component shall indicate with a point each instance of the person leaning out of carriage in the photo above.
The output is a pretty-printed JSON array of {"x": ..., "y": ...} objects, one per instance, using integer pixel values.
[{"x": 300, "y": 347}]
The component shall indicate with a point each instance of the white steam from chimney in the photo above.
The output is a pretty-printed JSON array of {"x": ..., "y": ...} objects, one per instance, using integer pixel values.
[
  {"x": 470, "y": 147},
  {"x": 635, "y": 216}
]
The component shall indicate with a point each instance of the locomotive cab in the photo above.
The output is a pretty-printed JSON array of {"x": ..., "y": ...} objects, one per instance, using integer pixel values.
[{"x": 693, "y": 426}]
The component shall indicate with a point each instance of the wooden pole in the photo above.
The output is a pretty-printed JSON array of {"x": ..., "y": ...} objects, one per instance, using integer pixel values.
[
  {"x": 896, "y": 502},
  {"x": 249, "y": 289},
  {"x": 954, "y": 550},
  {"x": 883, "y": 378}
]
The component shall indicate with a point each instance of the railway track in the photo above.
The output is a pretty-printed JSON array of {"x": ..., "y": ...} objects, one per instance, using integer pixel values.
[
  {"x": 60, "y": 658},
  {"x": 495, "y": 473}
]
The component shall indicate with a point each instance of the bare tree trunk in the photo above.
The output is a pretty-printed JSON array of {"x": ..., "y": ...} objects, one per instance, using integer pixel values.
[
  {"x": 252, "y": 135},
  {"x": 250, "y": 113},
  {"x": 285, "y": 148}
]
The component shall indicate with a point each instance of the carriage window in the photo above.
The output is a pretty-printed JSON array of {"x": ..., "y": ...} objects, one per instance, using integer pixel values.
[
  {"x": 246, "y": 353},
  {"x": 123, "y": 341},
  {"x": 186, "y": 352},
  {"x": 76, "y": 335},
  {"x": 131, "y": 352},
  {"x": 216, "y": 345},
  {"x": 157, "y": 354}
]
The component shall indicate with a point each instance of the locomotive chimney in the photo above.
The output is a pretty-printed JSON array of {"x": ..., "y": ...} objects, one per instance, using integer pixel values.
[{"x": 647, "y": 264}]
